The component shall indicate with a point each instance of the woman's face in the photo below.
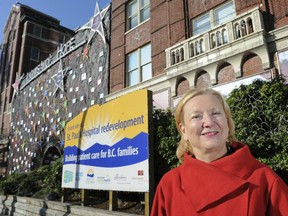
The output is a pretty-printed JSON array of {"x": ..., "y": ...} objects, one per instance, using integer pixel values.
[{"x": 205, "y": 126}]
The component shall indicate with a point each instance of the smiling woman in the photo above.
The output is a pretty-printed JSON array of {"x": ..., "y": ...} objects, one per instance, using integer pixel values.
[
  {"x": 205, "y": 127},
  {"x": 206, "y": 113},
  {"x": 218, "y": 175}
]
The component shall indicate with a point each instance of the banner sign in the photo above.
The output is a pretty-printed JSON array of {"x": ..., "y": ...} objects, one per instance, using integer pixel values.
[{"x": 107, "y": 148}]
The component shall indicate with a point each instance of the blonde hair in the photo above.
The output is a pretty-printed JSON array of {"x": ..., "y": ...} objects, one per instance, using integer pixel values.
[{"x": 183, "y": 146}]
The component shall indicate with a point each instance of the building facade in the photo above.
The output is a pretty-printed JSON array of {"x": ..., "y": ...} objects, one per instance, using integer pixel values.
[
  {"x": 164, "y": 46},
  {"x": 66, "y": 83},
  {"x": 171, "y": 46},
  {"x": 29, "y": 37}
]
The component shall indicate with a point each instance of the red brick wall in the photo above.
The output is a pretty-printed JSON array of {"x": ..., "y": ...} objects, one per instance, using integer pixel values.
[
  {"x": 276, "y": 14},
  {"x": 252, "y": 65},
  {"x": 137, "y": 37},
  {"x": 203, "y": 80},
  {"x": 197, "y": 7},
  {"x": 277, "y": 9},
  {"x": 117, "y": 83},
  {"x": 242, "y": 6},
  {"x": 225, "y": 74},
  {"x": 280, "y": 12},
  {"x": 117, "y": 60},
  {"x": 165, "y": 28},
  {"x": 182, "y": 87}
]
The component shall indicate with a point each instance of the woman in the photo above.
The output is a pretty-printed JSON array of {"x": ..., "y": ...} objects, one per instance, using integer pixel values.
[{"x": 218, "y": 175}]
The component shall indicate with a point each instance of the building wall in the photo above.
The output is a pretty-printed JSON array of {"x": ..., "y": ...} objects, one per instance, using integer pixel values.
[
  {"x": 170, "y": 27},
  {"x": 168, "y": 30},
  {"x": 164, "y": 28},
  {"x": 17, "y": 44},
  {"x": 117, "y": 65},
  {"x": 68, "y": 82}
]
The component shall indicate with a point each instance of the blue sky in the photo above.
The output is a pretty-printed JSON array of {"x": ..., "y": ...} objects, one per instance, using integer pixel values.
[{"x": 71, "y": 13}]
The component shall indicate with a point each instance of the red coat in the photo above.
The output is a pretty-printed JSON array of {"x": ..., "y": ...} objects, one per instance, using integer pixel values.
[{"x": 235, "y": 185}]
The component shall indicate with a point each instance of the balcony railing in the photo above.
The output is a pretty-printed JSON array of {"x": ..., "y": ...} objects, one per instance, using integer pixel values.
[{"x": 242, "y": 26}]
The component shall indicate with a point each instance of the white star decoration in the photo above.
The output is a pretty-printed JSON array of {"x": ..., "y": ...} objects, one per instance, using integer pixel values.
[
  {"x": 95, "y": 25},
  {"x": 16, "y": 86},
  {"x": 58, "y": 78}
]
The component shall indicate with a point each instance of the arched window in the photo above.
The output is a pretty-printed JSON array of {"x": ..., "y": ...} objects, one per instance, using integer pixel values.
[
  {"x": 250, "y": 26},
  {"x": 50, "y": 155},
  {"x": 213, "y": 41},
  {"x": 202, "y": 46},
  {"x": 177, "y": 56},
  {"x": 224, "y": 36},
  {"x": 197, "y": 48},
  {"x": 182, "y": 54},
  {"x": 219, "y": 38},
  {"x": 237, "y": 31},
  {"x": 173, "y": 58},
  {"x": 243, "y": 28},
  {"x": 191, "y": 50}
]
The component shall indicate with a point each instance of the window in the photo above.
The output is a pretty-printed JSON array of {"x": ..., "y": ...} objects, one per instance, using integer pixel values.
[
  {"x": 213, "y": 41},
  {"x": 250, "y": 26},
  {"x": 137, "y": 12},
  {"x": 224, "y": 13},
  {"x": 139, "y": 66},
  {"x": 201, "y": 24},
  {"x": 35, "y": 53},
  {"x": 61, "y": 39},
  {"x": 37, "y": 31},
  {"x": 224, "y": 36},
  {"x": 219, "y": 38},
  {"x": 215, "y": 17},
  {"x": 243, "y": 28}
]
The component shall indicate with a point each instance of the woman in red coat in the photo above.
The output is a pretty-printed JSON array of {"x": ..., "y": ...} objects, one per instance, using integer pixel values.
[{"x": 218, "y": 175}]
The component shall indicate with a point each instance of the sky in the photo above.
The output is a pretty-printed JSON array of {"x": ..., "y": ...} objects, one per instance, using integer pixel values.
[{"x": 71, "y": 13}]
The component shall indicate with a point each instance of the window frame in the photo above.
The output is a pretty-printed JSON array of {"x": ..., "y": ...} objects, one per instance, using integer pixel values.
[
  {"x": 212, "y": 18},
  {"x": 139, "y": 66},
  {"x": 35, "y": 49},
  {"x": 37, "y": 33},
  {"x": 217, "y": 22},
  {"x": 62, "y": 38},
  {"x": 137, "y": 14},
  {"x": 195, "y": 31}
]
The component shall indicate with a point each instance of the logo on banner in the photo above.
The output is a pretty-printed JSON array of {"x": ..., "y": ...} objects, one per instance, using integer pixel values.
[
  {"x": 90, "y": 176},
  {"x": 68, "y": 176},
  {"x": 103, "y": 179},
  {"x": 90, "y": 173}
]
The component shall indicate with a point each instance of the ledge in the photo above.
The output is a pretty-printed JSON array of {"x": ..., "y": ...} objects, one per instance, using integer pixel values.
[{"x": 14, "y": 205}]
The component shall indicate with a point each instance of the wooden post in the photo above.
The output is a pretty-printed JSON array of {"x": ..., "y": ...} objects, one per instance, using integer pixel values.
[
  {"x": 150, "y": 194},
  {"x": 84, "y": 197},
  {"x": 147, "y": 204},
  {"x": 64, "y": 197},
  {"x": 112, "y": 201}
]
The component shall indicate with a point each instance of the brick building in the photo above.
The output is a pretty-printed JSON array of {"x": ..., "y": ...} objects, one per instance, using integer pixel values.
[
  {"x": 66, "y": 83},
  {"x": 170, "y": 46},
  {"x": 29, "y": 37},
  {"x": 165, "y": 46}
]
